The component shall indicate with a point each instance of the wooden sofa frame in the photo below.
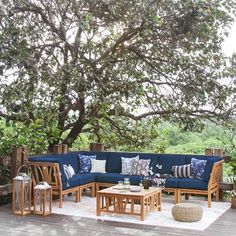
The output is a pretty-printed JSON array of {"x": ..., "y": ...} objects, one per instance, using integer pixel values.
[
  {"x": 213, "y": 186},
  {"x": 50, "y": 172}
]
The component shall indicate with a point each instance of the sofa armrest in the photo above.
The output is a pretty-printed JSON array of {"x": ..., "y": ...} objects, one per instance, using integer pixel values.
[
  {"x": 46, "y": 171},
  {"x": 216, "y": 173}
]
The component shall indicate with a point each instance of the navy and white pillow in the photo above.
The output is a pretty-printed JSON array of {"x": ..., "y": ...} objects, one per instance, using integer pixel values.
[
  {"x": 198, "y": 168},
  {"x": 140, "y": 167},
  {"x": 183, "y": 171},
  {"x": 85, "y": 163},
  {"x": 126, "y": 164}
]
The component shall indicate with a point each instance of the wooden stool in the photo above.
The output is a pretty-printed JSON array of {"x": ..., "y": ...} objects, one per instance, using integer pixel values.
[{"x": 42, "y": 200}]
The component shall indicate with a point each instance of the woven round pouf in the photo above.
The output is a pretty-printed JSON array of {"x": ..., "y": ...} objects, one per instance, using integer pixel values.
[{"x": 187, "y": 212}]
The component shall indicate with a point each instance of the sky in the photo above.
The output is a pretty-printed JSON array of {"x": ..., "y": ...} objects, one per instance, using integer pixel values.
[{"x": 229, "y": 46}]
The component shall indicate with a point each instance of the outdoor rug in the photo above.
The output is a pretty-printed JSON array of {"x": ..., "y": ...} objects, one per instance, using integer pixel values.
[{"x": 87, "y": 208}]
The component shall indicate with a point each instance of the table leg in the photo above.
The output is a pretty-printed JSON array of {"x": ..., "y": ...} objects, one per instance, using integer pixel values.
[
  {"x": 98, "y": 204},
  {"x": 142, "y": 212}
]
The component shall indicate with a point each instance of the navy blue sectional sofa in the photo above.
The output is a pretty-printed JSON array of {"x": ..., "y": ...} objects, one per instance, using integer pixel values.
[{"x": 50, "y": 168}]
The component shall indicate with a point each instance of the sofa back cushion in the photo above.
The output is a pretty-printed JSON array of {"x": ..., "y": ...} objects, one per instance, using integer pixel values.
[
  {"x": 208, "y": 168},
  {"x": 114, "y": 163},
  {"x": 153, "y": 160},
  {"x": 169, "y": 160}
]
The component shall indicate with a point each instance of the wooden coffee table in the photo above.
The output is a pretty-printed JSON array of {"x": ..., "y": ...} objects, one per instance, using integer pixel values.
[{"x": 114, "y": 200}]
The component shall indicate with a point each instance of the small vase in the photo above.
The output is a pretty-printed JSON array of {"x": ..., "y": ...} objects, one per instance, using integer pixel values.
[{"x": 146, "y": 183}]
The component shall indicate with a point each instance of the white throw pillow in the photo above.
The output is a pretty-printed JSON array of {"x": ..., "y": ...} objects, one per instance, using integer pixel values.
[
  {"x": 71, "y": 170},
  {"x": 98, "y": 166}
]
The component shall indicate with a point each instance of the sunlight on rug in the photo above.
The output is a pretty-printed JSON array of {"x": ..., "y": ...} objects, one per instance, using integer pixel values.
[{"x": 87, "y": 208}]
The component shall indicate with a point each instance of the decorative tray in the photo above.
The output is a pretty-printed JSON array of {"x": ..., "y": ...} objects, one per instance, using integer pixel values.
[{"x": 135, "y": 190}]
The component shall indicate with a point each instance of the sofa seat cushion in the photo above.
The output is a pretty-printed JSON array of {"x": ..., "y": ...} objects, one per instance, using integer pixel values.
[
  {"x": 115, "y": 177},
  {"x": 171, "y": 183},
  {"x": 79, "y": 179},
  {"x": 188, "y": 183},
  {"x": 109, "y": 177}
]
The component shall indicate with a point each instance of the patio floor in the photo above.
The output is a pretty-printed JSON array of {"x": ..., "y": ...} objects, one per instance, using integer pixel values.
[{"x": 66, "y": 225}]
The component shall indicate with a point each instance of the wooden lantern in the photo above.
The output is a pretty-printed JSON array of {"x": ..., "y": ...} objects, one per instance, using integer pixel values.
[
  {"x": 21, "y": 193},
  {"x": 42, "y": 199}
]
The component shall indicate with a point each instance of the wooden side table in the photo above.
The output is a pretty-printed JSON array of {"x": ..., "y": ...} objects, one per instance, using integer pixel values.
[{"x": 42, "y": 200}]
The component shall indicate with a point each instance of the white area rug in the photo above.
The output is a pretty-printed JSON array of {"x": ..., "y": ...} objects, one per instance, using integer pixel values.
[{"x": 87, "y": 208}]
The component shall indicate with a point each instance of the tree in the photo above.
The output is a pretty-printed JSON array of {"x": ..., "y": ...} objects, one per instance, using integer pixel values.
[{"x": 73, "y": 62}]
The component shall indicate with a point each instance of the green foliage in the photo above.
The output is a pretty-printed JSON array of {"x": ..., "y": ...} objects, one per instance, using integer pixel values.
[
  {"x": 34, "y": 136},
  {"x": 81, "y": 143},
  {"x": 5, "y": 174},
  {"x": 71, "y": 64},
  {"x": 131, "y": 136}
]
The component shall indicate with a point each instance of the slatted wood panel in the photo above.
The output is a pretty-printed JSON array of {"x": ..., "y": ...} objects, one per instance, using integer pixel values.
[
  {"x": 65, "y": 225},
  {"x": 50, "y": 172}
]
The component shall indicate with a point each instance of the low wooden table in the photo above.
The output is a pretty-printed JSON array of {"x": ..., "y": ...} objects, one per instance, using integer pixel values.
[{"x": 114, "y": 200}]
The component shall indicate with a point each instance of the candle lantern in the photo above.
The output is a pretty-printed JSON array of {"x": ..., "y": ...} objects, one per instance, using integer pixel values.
[
  {"x": 43, "y": 199},
  {"x": 21, "y": 192}
]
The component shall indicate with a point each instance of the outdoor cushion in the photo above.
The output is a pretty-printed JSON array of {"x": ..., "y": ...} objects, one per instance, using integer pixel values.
[
  {"x": 69, "y": 171},
  {"x": 98, "y": 166},
  {"x": 198, "y": 167},
  {"x": 208, "y": 167},
  {"x": 140, "y": 167},
  {"x": 113, "y": 164},
  {"x": 109, "y": 178},
  {"x": 171, "y": 183},
  {"x": 115, "y": 177},
  {"x": 152, "y": 157},
  {"x": 168, "y": 160},
  {"x": 79, "y": 179},
  {"x": 85, "y": 163},
  {"x": 126, "y": 164},
  {"x": 192, "y": 184},
  {"x": 183, "y": 171}
]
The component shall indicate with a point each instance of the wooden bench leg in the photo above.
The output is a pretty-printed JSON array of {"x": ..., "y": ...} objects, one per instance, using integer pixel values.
[
  {"x": 78, "y": 195},
  {"x": 186, "y": 196},
  {"x": 60, "y": 200},
  {"x": 209, "y": 199},
  {"x": 93, "y": 190},
  {"x": 217, "y": 193},
  {"x": 177, "y": 196}
]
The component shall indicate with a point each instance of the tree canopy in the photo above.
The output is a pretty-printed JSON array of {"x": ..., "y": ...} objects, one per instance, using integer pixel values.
[{"x": 83, "y": 65}]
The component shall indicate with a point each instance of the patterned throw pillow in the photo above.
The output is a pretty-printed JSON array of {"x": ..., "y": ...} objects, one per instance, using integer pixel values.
[
  {"x": 184, "y": 171},
  {"x": 69, "y": 171},
  {"x": 126, "y": 164},
  {"x": 85, "y": 163},
  {"x": 198, "y": 168},
  {"x": 140, "y": 167}
]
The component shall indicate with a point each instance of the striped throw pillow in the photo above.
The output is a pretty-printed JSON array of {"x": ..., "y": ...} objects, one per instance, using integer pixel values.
[{"x": 183, "y": 171}]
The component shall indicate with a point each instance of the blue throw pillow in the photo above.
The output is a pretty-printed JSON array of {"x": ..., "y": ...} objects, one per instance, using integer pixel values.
[
  {"x": 198, "y": 167},
  {"x": 85, "y": 163}
]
